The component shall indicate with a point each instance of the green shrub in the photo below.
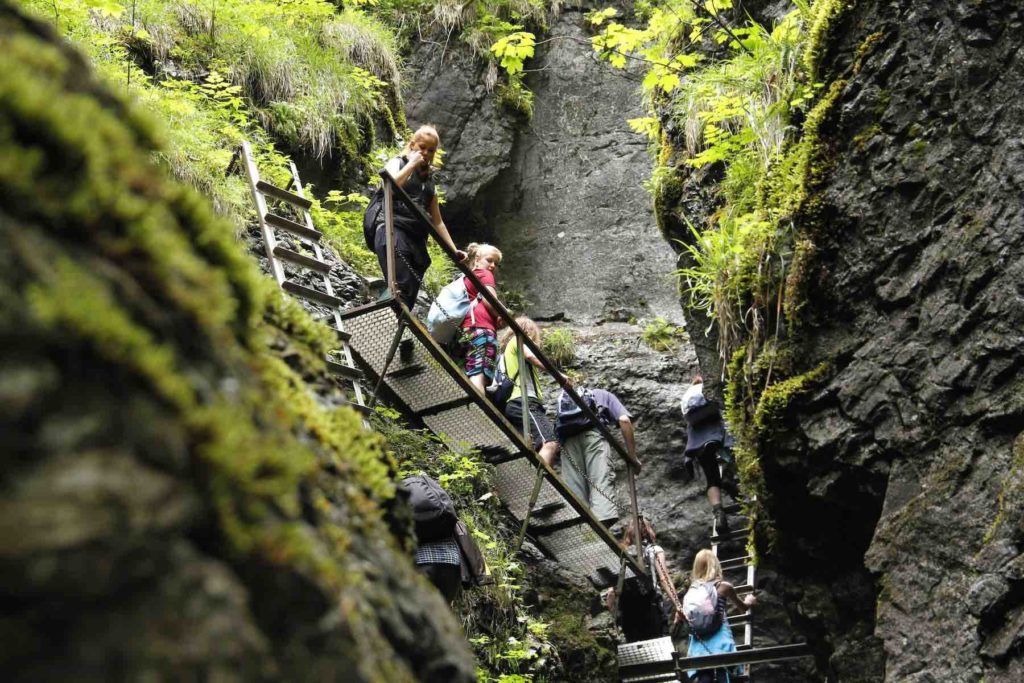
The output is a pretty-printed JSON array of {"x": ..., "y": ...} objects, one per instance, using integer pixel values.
[
  {"x": 661, "y": 335},
  {"x": 559, "y": 345}
]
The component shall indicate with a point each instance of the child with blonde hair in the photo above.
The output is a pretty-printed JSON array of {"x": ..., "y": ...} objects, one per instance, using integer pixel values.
[
  {"x": 542, "y": 431},
  {"x": 413, "y": 172},
  {"x": 707, "y": 576},
  {"x": 478, "y": 342}
]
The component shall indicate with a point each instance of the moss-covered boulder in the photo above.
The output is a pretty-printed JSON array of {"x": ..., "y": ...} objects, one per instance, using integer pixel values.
[{"x": 178, "y": 498}]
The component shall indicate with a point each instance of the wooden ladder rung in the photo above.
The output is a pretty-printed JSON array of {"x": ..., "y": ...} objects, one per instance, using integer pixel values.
[
  {"x": 311, "y": 294},
  {"x": 291, "y": 226},
  {"x": 343, "y": 370},
  {"x": 295, "y": 257},
  {"x": 284, "y": 195}
]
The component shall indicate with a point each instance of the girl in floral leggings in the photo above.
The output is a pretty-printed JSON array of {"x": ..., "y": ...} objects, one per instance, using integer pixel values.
[{"x": 478, "y": 343}]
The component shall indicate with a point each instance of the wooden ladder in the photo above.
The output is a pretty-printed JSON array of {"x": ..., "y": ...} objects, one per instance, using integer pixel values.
[{"x": 306, "y": 255}]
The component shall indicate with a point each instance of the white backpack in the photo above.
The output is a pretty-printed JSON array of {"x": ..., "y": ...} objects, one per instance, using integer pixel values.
[
  {"x": 449, "y": 309},
  {"x": 700, "y": 607}
]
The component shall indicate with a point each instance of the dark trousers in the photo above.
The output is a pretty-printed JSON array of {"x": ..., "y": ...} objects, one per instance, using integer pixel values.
[
  {"x": 447, "y": 578},
  {"x": 708, "y": 459},
  {"x": 411, "y": 262}
]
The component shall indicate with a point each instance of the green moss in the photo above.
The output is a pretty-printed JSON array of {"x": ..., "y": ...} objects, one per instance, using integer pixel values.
[
  {"x": 865, "y": 49},
  {"x": 772, "y": 405},
  {"x": 865, "y": 135},
  {"x": 1010, "y": 513},
  {"x": 826, "y": 14}
]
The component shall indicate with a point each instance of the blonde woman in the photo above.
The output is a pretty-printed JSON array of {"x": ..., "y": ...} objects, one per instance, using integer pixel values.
[
  {"x": 478, "y": 342},
  {"x": 413, "y": 172},
  {"x": 542, "y": 431},
  {"x": 707, "y": 571}
]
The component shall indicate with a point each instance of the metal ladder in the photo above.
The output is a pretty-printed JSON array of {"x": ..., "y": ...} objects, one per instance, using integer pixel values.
[{"x": 304, "y": 237}]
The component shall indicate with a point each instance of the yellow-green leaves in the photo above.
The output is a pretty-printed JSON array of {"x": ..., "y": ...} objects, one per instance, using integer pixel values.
[
  {"x": 646, "y": 125},
  {"x": 598, "y": 17},
  {"x": 513, "y": 50}
]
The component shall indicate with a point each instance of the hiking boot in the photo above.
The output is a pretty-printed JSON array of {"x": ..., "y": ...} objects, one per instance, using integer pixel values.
[{"x": 721, "y": 520}]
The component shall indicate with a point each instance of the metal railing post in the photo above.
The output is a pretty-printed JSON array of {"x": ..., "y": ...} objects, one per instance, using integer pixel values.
[
  {"x": 636, "y": 515},
  {"x": 389, "y": 230},
  {"x": 525, "y": 403}
]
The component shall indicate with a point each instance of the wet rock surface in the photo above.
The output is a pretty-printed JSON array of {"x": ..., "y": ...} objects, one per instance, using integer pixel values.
[
  {"x": 893, "y": 485},
  {"x": 169, "y": 509},
  {"x": 561, "y": 195}
]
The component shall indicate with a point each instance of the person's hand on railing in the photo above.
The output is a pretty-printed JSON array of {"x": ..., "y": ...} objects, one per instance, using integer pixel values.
[
  {"x": 459, "y": 254},
  {"x": 565, "y": 379},
  {"x": 636, "y": 464}
]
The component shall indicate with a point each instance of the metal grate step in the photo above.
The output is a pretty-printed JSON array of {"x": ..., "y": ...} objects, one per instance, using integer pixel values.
[
  {"x": 407, "y": 371},
  {"x": 284, "y": 195},
  {"x": 311, "y": 294},
  {"x": 292, "y": 227},
  {"x": 298, "y": 259},
  {"x": 446, "y": 402}
]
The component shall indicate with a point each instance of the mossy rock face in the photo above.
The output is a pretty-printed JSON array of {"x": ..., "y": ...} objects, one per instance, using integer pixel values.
[{"x": 178, "y": 502}]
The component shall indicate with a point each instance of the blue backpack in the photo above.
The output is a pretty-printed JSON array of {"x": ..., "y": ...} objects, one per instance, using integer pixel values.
[{"x": 448, "y": 310}]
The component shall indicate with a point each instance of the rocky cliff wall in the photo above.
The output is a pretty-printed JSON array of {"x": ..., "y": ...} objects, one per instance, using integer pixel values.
[
  {"x": 894, "y": 472},
  {"x": 560, "y": 194},
  {"x": 181, "y": 497}
]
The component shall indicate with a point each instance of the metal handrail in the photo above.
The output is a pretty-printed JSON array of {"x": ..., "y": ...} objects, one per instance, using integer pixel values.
[{"x": 392, "y": 189}]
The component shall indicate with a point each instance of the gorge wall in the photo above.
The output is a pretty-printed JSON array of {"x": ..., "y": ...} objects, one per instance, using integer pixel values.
[
  {"x": 561, "y": 194},
  {"x": 180, "y": 498},
  {"x": 894, "y": 472}
]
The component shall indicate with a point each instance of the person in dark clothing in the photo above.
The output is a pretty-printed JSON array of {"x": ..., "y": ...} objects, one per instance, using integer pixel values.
[
  {"x": 441, "y": 562},
  {"x": 412, "y": 172},
  {"x": 705, "y": 434}
]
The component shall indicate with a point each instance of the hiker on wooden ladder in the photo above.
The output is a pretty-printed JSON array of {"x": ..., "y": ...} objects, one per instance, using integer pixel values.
[{"x": 413, "y": 173}]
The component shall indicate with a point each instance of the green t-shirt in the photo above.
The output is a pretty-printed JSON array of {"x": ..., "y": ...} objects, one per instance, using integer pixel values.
[{"x": 510, "y": 359}]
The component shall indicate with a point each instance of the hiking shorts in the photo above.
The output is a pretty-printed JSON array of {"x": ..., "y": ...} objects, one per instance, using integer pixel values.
[
  {"x": 478, "y": 348},
  {"x": 541, "y": 429}
]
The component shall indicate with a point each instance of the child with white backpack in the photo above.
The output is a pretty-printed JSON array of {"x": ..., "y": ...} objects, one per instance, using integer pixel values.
[
  {"x": 478, "y": 338},
  {"x": 704, "y": 607}
]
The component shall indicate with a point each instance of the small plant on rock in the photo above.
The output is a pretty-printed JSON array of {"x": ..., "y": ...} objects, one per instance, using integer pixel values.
[
  {"x": 661, "y": 335},
  {"x": 559, "y": 345}
]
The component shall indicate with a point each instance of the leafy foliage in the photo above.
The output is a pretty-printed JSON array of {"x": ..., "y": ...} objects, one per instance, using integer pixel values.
[
  {"x": 559, "y": 345},
  {"x": 661, "y": 335},
  {"x": 510, "y": 642},
  {"x": 744, "y": 85}
]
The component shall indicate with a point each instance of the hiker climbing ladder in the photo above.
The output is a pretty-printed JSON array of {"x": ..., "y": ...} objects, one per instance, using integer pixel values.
[
  {"x": 408, "y": 367},
  {"x": 298, "y": 250},
  {"x": 658, "y": 660}
]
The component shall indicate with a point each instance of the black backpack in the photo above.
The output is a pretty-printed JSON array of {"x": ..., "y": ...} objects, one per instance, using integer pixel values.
[
  {"x": 370, "y": 217},
  {"x": 432, "y": 508}
]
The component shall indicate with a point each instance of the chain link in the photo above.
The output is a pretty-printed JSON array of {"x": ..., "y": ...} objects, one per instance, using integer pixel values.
[{"x": 582, "y": 472}]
